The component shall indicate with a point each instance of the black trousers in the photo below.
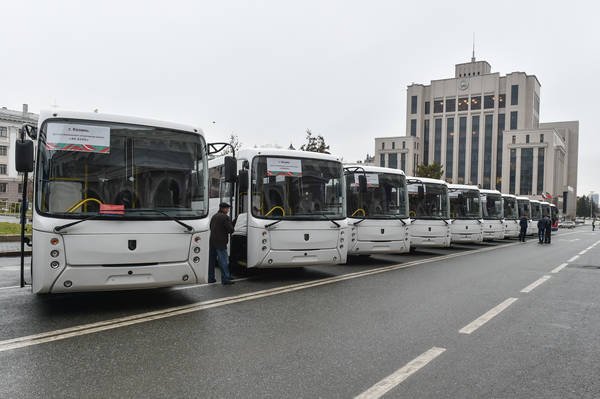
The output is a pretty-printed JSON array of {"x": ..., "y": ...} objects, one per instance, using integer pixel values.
[{"x": 522, "y": 234}]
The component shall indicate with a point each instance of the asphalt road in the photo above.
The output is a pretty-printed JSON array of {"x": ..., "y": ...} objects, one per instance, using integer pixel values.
[{"x": 499, "y": 320}]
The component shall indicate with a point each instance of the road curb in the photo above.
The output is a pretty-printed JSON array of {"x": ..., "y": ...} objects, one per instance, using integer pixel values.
[{"x": 8, "y": 254}]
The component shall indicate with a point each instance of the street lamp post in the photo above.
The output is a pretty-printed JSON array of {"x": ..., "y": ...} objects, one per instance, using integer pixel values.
[{"x": 591, "y": 203}]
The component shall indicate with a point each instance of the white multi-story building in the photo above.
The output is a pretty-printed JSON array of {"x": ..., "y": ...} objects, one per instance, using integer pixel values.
[
  {"x": 10, "y": 181},
  {"x": 484, "y": 129}
]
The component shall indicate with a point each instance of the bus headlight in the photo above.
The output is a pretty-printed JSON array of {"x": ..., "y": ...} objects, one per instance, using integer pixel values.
[
  {"x": 54, "y": 253},
  {"x": 196, "y": 250},
  {"x": 196, "y": 259},
  {"x": 54, "y": 264},
  {"x": 54, "y": 241}
]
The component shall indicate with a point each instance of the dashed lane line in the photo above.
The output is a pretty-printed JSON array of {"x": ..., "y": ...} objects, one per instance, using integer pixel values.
[
  {"x": 487, "y": 316},
  {"x": 573, "y": 259},
  {"x": 90, "y": 328},
  {"x": 559, "y": 267},
  {"x": 535, "y": 284},
  {"x": 398, "y": 376}
]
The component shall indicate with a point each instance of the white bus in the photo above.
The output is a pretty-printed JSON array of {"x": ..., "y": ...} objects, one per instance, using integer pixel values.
[
  {"x": 536, "y": 214},
  {"x": 466, "y": 213},
  {"x": 288, "y": 207},
  {"x": 511, "y": 216},
  {"x": 493, "y": 214},
  {"x": 377, "y": 210},
  {"x": 429, "y": 210},
  {"x": 525, "y": 210},
  {"x": 119, "y": 203}
]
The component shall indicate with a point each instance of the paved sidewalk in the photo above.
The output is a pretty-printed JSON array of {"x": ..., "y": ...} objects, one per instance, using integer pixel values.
[{"x": 12, "y": 248}]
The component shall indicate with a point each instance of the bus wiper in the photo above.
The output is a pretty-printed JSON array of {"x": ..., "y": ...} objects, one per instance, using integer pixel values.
[
  {"x": 331, "y": 220},
  {"x": 57, "y": 229},
  {"x": 442, "y": 219},
  {"x": 362, "y": 219},
  {"x": 398, "y": 218},
  {"x": 272, "y": 223},
  {"x": 173, "y": 218}
]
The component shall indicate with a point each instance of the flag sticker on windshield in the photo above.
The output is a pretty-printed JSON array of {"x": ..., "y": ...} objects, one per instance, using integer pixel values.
[
  {"x": 73, "y": 137},
  {"x": 284, "y": 167}
]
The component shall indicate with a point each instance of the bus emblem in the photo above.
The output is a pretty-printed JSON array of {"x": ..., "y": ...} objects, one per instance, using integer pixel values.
[
  {"x": 306, "y": 237},
  {"x": 131, "y": 244},
  {"x": 382, "y": 231}
]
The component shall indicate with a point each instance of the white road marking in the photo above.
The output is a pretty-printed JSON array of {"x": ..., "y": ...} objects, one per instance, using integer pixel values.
[
  {"x": 573, "y": 259},
  {"x": 559, "y": 268},
  {"x": 90, "y": 328},
  {"x": 487, "y": 316},
  {"x": 396, "y": 378},
  {"x": 583, "y": 252},
  {"x": 533, "y": 285},
  {"x": 11, "y": 287}
]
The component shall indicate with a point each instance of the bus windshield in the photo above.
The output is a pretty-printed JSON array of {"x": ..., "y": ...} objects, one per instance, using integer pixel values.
[
  {"x": 142, "y": 168},
  {"x": 385, "y": 197},
  {"x": 492, "y": 206},
  {"x": 297, "y": 188},
  {"x": 428, "y": 200},
  {"x": 536, "y": 211},
  {"x": 511, "y": 210},
  {"x": 465, "y": 204},
  {"x": 524, "y": 208}
]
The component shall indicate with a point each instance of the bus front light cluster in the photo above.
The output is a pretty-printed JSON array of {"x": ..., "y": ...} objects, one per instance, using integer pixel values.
[
  {"x": 54, "y": 253},
  {"x": 54, "y": 264},
  {"x": 196, "y": 259},
  {"x": 196, "y": 250}
]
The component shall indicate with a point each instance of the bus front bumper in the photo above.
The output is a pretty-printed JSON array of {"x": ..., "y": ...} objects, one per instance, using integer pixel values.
[
  {"x": 300, "y": 258},
  {"x": 378, "y": 247},
  {"x": 418, "y": 241},
  {"x": 467, "y": 237}
]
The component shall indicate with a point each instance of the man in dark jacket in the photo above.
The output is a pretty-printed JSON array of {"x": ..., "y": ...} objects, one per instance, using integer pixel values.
[
  {"x": 220, "y": 228},
  {"x": 541, "y": 224},
  {"x": 523, "y": 223},
  {"x": 548, "y": 229}
]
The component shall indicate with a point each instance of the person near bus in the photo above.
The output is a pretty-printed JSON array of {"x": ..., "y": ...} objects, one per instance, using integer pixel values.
[
  {"x": 523, "y": 223},
  {"x": 541, "y": 224},
  {"x": 547, "y": 229},
  {"x": 220, "y": 228},
  {"x": 593, "y": 224}
]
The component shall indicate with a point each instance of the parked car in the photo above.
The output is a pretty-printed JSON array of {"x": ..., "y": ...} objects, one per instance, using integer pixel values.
[
  {"x": 566, "y": 224},
  {"x": 579, "y": 220}
]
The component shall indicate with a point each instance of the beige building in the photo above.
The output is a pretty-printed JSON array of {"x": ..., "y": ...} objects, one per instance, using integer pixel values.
[
  {"x": 10, "y": 181},
  {"x": 466, "y": 123}
]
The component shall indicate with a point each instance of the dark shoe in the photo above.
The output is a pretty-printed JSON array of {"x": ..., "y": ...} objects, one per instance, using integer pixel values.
[
  {"x": 228, "y": 282},
  {"x": 212, "y": 281}
]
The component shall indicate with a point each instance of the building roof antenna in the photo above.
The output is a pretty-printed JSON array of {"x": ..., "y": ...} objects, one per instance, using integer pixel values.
[{"x": 473, "y": 57}]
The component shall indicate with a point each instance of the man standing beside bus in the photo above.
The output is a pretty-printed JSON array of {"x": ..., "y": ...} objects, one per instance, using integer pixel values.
[
  {"x": 523, "y": 223},
  {"x": 220, "y": 228}
]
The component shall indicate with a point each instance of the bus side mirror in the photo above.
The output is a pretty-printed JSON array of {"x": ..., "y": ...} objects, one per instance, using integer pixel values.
[
  {"x": 230, "y": 169},
  {"x": 243, "y": 181},
  {"x": 362, "y": 183},
  {"x": 24, "y": 155}
]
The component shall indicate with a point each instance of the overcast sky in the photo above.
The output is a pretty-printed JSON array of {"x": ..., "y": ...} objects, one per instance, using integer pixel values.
[{"x": 268, "y": 70}]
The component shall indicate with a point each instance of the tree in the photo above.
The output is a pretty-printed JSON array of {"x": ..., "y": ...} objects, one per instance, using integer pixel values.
[
  {"x": 235, "y": 142},
  {"x": 314, "y": 143},
  {"x": 433, "y": 170},
  {"x": 584, "y": 205}
]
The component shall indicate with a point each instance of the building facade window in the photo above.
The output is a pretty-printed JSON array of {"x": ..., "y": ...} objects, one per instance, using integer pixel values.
[
  {"x": 413, "y": 104},
  {"x": 449, "y": 147},
  {"x": 540, "y": 171},
  {"x": 393, "y": 160},
  {"x": 488, "y": 101},
  {"x": 474, "y": 149},
  {"x": 526, "y": 174},
  {"x": 438, "y": 106},
  {"x": 413, "y": 127},
  {"x": 513, "y": 171},
  {"x": 527, "y": 139},
  {"x": 426, "y": 142},
  {"x": 514, "y": 95},
  {"x": 499, "y": 144},
  {"x": 3, "y": 187},
  {"x": 403, "y": 144},
  {"x": 382, "y": 160},
  {"x": 463, "y": 104},
  {"x": 487, "y": 151},
  {"x": 437, "y": 144},
  {"x": 393, "y": 145},
  {"x": 403, "y": 161},
  {"x": 462, "y": 145},
  {"x": 20, "y": 188},
  {"x": 2, "y": 169},
  {"x": 3, "y": 131},
  {"x": 541, "y": 137},
  {"x": 536, "y": 103},
  {"x": 475, "y": 102},
  {"x": 450, "y": 104},
  {"x": 514, "y": 139},
  {"x": 502, "y": 101},
  {"x": 513, "y": 120},
  {"x": 427, "y": 107},
  {"x": 383, "y": 145},
  {"x": 3, "y": 150}
]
